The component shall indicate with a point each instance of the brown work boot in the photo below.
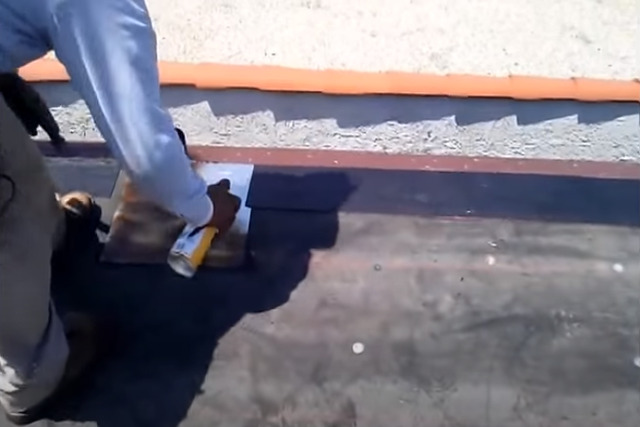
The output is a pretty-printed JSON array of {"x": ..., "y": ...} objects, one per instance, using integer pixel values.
[
  {"x": 82, "y": 215},
  {"x": 82, "y": 336},
  {"x": 77, "y": 243}
]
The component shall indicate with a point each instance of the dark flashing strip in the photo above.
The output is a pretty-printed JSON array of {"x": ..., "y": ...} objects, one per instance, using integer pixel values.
[{"x": 295, "y": 157}]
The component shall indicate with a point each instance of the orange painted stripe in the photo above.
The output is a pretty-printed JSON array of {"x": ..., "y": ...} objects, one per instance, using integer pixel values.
[{"x": 283, "y": 79}]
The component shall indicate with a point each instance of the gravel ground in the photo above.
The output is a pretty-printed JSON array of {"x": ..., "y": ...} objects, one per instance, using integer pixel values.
[{"x": 556, "y": 38}]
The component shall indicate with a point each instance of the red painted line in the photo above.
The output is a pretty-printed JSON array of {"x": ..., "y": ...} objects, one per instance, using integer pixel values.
[{"x": 294, "y": 157}]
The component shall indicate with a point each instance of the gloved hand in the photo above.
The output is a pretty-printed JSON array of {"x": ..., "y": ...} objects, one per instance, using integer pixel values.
[
  {"x": 29, "y": 107},
  {"x": 225, "y": 205}
]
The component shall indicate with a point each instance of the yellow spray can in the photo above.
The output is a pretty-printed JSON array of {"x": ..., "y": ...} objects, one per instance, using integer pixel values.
[{"x": 190, "y": 248}]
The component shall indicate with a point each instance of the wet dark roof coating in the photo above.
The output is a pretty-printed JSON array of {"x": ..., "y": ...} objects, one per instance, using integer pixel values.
[{"x": 385, "y": 298}]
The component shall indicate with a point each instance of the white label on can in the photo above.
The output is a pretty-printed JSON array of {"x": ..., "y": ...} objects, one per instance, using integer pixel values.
[{"x": 187, "y": 244}]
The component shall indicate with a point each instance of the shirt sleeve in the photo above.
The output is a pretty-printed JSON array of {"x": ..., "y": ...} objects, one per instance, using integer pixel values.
[{"x": 109, "y": 50}]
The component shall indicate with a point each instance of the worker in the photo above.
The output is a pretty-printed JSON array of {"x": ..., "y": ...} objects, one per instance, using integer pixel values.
[{"x": 109, "y": 50}]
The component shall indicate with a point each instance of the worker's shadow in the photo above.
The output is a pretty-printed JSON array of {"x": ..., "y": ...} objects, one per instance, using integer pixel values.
[{"x": 163, "y": 365}]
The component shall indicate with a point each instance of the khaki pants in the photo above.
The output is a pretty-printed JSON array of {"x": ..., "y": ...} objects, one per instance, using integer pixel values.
[{"x": 33, "y": 347}]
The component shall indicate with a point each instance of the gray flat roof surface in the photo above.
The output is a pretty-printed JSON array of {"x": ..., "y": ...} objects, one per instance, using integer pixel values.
[{"x": 385, "y": 298}]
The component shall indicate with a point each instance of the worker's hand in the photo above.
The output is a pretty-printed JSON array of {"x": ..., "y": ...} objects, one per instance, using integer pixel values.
[
  {"x": 29, "y": 107},
  {"x": 225, "y": 205}
]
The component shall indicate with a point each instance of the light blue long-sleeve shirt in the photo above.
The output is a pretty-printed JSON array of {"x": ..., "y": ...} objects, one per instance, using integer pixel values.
[{"x": 109, "y": 50}]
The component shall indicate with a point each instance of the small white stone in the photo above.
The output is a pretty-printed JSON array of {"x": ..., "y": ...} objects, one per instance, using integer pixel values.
[
  {"x": 636, "y": 361},
  {"x": 618, "y": 268},
  {"x": 357, "y": 348},
  {"x": 491, "y": 259}
]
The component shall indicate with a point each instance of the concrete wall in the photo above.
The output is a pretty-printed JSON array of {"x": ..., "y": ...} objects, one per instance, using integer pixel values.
[{"x": 430, "y": 125}]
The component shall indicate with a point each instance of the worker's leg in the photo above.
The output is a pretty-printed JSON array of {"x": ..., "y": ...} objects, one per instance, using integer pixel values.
[{"x": 33, "y": 347}]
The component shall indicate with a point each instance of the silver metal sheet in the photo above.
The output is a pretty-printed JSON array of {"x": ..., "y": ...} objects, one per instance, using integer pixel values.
[{"x": 142, "y": 232}]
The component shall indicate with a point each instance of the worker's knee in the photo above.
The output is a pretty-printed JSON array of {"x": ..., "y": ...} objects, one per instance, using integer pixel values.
[{"x": 29, "y": 373}]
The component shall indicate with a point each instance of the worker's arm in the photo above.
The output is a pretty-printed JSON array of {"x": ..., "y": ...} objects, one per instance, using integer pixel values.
[{"x": 109, "y": 50}]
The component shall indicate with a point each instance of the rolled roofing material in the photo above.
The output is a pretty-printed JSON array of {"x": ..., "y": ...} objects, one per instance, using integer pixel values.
[{"x": 339, "y": 82}]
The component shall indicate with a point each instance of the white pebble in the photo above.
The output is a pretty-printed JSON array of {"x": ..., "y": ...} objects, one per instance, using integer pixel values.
[
  {"x": 636, "y": 361},
  {"x": 618, "y": 268},
  {"x": 357, "y": 347},
  {"x": 491, "y": 259}
]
